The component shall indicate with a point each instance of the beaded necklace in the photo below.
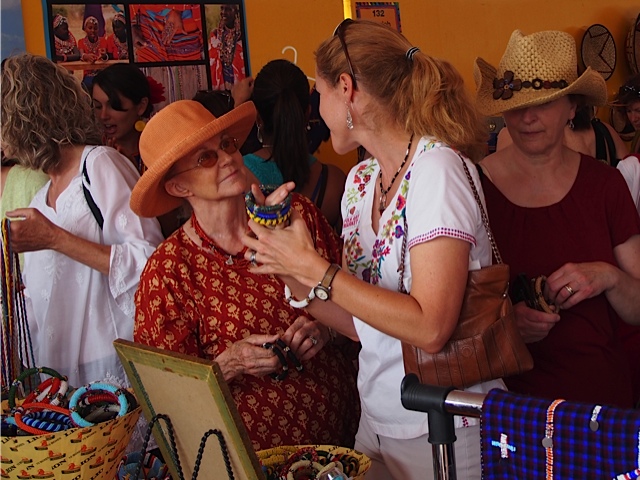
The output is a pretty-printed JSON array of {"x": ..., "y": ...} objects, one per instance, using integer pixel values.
[
  {"x": 383, "y": 192},
  {"x": 207, "y": 242},
  {"x": 92, "y": 47},
  {"x": 228, "y": 38},
  {"x": 65, "y": 47},
  {"x": 121, "y": 47},
  {"x": 17, "y": 349}
]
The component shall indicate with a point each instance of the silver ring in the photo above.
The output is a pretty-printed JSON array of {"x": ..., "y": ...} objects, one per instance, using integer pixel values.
[
  {"x": 313, "y": 339},
  {"x": 252, "y": 258},
  {"x": 569, "y": 289}
]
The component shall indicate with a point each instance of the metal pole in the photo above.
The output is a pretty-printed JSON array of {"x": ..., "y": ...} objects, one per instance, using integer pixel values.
[{"x": 441, "y": 404}]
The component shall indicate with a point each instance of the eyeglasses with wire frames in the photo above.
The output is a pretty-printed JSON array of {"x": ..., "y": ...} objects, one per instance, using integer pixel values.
[
  {"x": 209, "y": 158},
  {"x": 339, "y": 31}
]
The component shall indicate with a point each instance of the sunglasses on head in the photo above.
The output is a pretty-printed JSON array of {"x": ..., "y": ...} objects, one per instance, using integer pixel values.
[
  {"x": 209, "y": 158},
  {"x": 339, "y": 31}
]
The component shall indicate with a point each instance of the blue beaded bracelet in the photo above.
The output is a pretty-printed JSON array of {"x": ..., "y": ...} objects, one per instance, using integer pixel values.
[
  {"x": 269, "y": 215},
  {"x": 96, "y": 387},
  {"x": 47, "y": 420}
]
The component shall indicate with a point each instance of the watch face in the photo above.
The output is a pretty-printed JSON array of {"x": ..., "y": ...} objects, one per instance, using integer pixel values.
[{"x": 321, "y": 293}]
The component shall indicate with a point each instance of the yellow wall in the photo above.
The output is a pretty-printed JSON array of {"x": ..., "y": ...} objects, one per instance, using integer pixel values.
[{"x": 458, "y": 30}]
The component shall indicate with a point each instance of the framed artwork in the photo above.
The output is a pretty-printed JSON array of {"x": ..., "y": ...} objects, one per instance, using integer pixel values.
[
  {"x": 193, "y": 394},
  {"x": 186, "y": 47}
]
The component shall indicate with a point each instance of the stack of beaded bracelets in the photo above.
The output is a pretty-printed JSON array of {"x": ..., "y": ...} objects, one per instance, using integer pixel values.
[
  {"x": 96, "y": 393},
  {"x": 268, "y": 215},
  {"x": 280, "y": 349},
  {"x": 50, "y": 391}
]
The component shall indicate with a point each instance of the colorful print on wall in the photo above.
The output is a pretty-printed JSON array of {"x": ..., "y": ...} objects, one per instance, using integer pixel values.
[{"x": 185, "y": 47}]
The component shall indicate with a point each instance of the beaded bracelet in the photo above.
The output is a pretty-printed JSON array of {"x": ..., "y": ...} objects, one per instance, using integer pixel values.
[
  {"x": 47, "y": 421},
  {"x": 24, "y": 411},
  {"x": 25, "y": 374},
  {"x": 268, "y": 215},
  {"x": 94, "y": 387},
  {"x": 297, "y": 303},
  {"x": 283, "y": 361},
  {"x": 52, "y": 391},
  {"x": 292, "y": 356},
  {"x": 538, "y": 286}
]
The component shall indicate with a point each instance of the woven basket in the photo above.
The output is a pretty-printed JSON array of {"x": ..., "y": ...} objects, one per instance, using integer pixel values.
[
  {"x": 92, "y": 452},
  {"x": 278, "y": 456}
]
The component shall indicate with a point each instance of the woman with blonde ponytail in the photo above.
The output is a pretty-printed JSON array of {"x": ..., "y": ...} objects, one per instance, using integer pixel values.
[{"x": 411, "y": 229}]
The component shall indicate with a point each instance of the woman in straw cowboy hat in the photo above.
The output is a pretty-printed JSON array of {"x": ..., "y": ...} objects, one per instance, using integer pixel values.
[
  {"x": 563, "y": 215},
  {"x": 197, "y": 295}
]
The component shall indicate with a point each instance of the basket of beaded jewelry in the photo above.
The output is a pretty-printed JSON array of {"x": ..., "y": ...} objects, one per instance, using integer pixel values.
[
  {"x": 309, "y": 461},
  {"x": 58, "y": 432}
]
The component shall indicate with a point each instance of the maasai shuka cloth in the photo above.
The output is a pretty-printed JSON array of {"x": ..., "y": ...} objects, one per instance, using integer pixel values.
[{"x": 587, "y": 441}]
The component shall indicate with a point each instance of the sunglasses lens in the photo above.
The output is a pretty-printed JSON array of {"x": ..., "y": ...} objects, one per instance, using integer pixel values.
[{"x": 229, "y": 145}]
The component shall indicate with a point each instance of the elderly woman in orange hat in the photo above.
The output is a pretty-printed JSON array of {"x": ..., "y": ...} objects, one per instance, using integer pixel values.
[
  {"x": 564, "y": 218},
  {"x": 290, "y": 380}
]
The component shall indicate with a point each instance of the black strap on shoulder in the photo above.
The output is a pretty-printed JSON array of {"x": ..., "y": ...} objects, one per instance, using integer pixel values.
[
  {"x": 605, "y": 146},
  {"x": 95, "y": 210}
]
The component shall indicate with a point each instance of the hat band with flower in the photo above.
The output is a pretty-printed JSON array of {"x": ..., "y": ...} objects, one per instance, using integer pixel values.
[
  {"x": 504, "y": 87},
  {"x": 535, "y": 69}
]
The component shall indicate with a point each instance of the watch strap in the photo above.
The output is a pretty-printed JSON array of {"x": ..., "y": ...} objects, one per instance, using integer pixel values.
[{"x": 329, "y": 275}]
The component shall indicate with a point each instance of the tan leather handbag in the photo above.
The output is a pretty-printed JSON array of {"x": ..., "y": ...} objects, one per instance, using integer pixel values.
[{"x": 486, "y": 344}]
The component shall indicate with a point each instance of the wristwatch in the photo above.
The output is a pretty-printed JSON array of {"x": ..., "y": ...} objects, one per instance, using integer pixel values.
[{"x": 322, "y": 291}]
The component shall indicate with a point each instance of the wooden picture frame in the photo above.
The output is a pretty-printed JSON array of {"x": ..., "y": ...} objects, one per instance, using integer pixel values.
[{"x": 194, "y": 395}]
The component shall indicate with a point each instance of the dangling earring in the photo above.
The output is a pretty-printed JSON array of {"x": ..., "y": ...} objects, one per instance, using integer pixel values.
[
  {"x": 140, "y": 124},
  {"x": 571, "y": 125},
  {"x": 349, "y": 119},
  {"x": 259, "y": 133},
  {"x": 308, "y": 127}
]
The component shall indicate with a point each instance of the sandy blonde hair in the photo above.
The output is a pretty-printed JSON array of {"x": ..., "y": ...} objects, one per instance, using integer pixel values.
[
  {"x": 424, "y": 95},
  {"x": 44, "y": 107}
]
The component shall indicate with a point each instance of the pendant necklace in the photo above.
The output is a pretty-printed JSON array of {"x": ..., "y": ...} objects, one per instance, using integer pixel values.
[
  {"x": 383, "y": 192},
  {"x": 207, "y": 242}
]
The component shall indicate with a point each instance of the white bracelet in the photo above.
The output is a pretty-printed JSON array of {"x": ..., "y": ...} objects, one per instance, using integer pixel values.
[{"x": 297, "y": 303}]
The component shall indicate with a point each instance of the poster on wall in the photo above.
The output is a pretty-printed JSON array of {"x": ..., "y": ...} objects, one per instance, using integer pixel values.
[
  {"x": 387, "y": 13},
  {"x": 184, "y": 47}
]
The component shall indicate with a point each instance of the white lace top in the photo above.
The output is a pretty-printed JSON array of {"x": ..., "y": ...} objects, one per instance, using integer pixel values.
[{"x": 74, "y": 311}]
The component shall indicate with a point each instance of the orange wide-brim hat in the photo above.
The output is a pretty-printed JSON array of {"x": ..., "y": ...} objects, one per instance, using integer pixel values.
[
  {"x": 171, "y": 134},
  {"x": 535, "y": 69}
]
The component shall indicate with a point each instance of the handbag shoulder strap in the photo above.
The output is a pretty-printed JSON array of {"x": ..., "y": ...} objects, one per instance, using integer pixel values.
[
  {"x": 95, "y": 210},
  {"x": 483, "y": 214},
  {"x": 485, "y": 222}
]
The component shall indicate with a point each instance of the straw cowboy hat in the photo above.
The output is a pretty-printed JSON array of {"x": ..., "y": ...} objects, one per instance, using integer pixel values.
[
  {"x": 172, "y": 133},
  {"x": 535, "y": 69}
]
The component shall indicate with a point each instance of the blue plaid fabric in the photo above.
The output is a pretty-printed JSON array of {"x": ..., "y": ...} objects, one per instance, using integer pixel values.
[{"x": 513, "y": 427}]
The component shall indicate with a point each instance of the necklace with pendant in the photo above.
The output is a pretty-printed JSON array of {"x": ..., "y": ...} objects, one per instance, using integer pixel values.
[
  {"x": 207, "y": 242},
  {"x": 383, "y": 192}
]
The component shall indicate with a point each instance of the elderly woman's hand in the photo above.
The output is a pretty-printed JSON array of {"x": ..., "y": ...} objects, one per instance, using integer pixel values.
[
  {"x": 533, "y": 325},
  {"x": 249, "y": 357},
  {"x": 306, "y": 338},
  {"x": 31, "y": 230}
]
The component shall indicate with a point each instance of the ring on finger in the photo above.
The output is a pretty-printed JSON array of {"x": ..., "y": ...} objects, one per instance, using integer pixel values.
[
  {"x": 569, "y": 289},
  {"x": 313, "y": 339},
  {"x": 252, "y": 258}
]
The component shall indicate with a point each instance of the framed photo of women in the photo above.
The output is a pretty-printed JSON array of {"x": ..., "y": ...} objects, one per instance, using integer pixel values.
[{"x": 185, "y": 47}]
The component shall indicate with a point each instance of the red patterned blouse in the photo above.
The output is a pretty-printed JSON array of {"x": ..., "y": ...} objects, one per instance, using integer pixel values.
[{"x": 192, "y": 302}]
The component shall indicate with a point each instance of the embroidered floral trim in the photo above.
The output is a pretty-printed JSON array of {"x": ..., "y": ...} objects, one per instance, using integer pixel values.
[{"x": 504, "y": 87}]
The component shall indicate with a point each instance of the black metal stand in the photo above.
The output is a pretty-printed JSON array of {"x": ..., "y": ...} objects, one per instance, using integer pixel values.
[{"x": 441, "y": 404}]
